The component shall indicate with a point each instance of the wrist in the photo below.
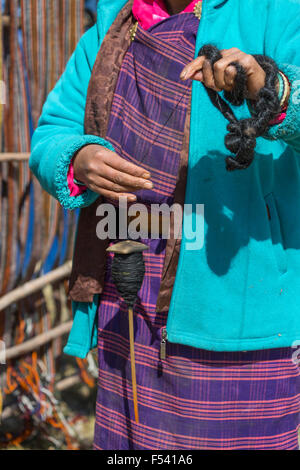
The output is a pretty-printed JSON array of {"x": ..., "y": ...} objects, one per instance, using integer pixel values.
[
  {"x": 76, "y": 187},
  {"x": 77, "y": 164}
]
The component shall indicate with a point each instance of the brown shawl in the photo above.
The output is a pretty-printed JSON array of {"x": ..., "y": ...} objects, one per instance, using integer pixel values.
[{"x": 89, "y": 260}]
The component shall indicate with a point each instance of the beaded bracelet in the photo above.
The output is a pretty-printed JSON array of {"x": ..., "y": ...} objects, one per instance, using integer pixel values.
[
  {"x": 286, "y": 88},
  {"x": 281, "y": 86}
]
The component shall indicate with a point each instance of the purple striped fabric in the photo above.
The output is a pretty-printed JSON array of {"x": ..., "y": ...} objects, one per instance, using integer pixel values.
[{"x": 195, "y": 399}]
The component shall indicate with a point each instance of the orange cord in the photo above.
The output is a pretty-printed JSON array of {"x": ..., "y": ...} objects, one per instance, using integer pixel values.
[{"x": 87, "y": 379}]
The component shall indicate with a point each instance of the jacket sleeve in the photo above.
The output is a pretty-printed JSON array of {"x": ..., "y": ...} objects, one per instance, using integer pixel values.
[
  {"x": 282, "y": 40},
  {"x": 60, "y": 131}
]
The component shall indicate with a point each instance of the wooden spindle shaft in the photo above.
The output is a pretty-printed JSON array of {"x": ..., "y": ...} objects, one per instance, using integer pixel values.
[{"x": 133, "y": 370}]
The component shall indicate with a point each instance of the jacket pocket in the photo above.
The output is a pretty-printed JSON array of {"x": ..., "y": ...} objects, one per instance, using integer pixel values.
[{"x": 276, "y": 234}]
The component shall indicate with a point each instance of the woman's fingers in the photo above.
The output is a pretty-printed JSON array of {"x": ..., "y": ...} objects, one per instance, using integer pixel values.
[
  {"x": 219, "y": 77},
  {"x": 111, "y": 194},
  {"x": 120, "y": 178},
  {"x": 115, "y": 161},
  {"x": 229, "y": 77},
  {"x": 198, "y": 76},
  {"x": 208, "y": 76},
  {"x": 121, "y": 174},
  {"x": 190, "y": 69},
  {"x": 104, "y": 183},
  {"x": 200, "y": 69},
  {"x": 220, "y": 68},
  {"x": 104, "y": 171}
]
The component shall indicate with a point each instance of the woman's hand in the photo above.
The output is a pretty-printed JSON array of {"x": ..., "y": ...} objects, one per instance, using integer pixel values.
[
  {"x": 222, "y": 75},
  {"x": 106, "y": 173}
]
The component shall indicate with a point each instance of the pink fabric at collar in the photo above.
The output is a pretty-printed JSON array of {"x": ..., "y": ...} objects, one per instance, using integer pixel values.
[{"x": 149, "y": 12}]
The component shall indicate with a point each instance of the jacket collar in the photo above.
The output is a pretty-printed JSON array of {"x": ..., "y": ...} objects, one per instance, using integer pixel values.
[
  {"x": 107, "y": 12},
  {"x": 109, "y": 9}
]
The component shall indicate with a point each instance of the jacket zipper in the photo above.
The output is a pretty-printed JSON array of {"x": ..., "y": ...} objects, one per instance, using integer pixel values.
[{"x": 163, "y": 344}]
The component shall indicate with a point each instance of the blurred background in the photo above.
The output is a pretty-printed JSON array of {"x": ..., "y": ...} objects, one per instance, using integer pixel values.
[{"x": 47, "y": 399}]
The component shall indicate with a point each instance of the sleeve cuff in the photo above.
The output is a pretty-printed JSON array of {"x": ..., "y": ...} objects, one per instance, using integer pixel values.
[
  {"x": 290, "y": 125},
  {"x": 61, "y": 174}
]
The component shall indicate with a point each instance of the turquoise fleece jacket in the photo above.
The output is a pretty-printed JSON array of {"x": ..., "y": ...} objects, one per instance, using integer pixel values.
[{"x": 241, "y": 290}]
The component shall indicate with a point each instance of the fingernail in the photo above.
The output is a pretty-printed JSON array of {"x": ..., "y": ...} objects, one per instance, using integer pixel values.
[
  {"x": 183, "y": 74},
  {"x": 132, "y": 198},
  {"x": 148, "y": 185},
  {"x": 146, "y": 176}
]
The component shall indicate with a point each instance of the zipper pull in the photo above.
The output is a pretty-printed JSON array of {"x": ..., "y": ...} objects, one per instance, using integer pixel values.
[{"x": 163, "y": 344}]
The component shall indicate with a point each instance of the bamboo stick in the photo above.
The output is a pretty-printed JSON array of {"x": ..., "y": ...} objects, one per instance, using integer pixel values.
[
  {"x": 14, "y": 157},
  {"x": 36, "y": 342},
  {"x": 133, "y": 371},
  {"x": 68, "y": 382},
  {"x": 35, "y": 285}
]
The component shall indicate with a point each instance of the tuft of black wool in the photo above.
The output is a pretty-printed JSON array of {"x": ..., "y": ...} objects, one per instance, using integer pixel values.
[
  {"x": 127, "y": 273},
  {"x": 242, "y": 135}
]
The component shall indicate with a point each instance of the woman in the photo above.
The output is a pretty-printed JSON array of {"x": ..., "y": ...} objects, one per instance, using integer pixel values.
[{"x": 136, "y": 120}]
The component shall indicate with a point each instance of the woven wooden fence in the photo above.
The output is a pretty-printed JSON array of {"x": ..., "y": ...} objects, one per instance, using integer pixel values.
[{"x": 36, "y": 235}]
